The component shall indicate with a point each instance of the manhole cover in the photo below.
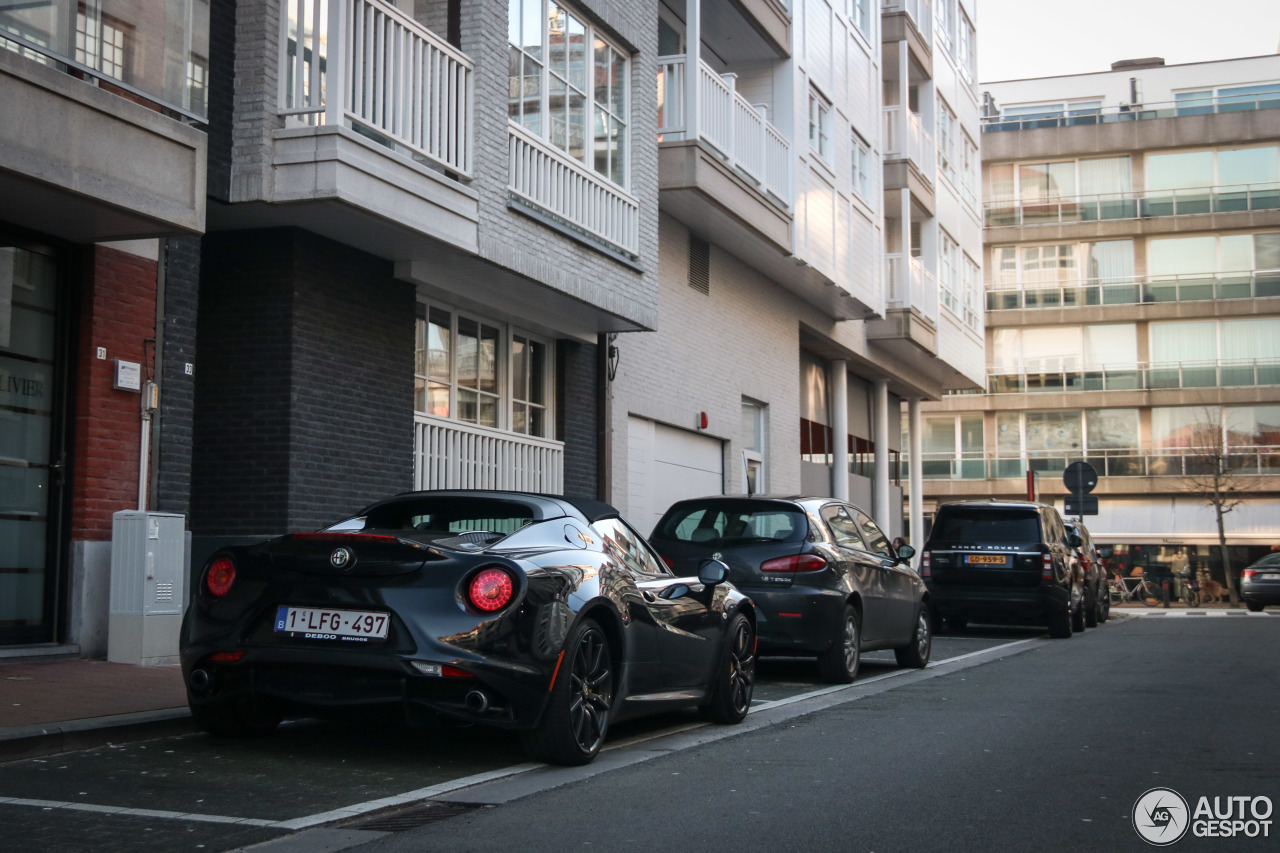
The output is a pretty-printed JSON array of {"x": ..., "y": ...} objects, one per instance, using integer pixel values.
[{"x": 413, "y": 818}]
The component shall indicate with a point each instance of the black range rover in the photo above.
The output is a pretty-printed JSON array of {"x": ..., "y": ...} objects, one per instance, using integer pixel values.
[{"x": 1003, "y": 561}]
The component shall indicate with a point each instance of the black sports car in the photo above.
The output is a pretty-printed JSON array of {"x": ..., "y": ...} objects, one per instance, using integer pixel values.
[
  {"x": 823, "y": 576},
  {"x": 545, "y": 614}
]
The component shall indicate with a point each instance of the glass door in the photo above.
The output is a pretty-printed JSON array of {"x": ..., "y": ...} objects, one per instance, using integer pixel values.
[{"x": 31, "y": 454}]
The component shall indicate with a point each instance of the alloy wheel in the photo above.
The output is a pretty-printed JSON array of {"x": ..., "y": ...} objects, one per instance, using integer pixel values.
[{"x": 590, "y": 691}]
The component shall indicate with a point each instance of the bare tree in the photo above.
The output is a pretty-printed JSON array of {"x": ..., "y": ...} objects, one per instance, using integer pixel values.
[{"x": 1215, "y": 476}]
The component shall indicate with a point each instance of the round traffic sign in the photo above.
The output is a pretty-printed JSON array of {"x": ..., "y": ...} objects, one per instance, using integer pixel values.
[{"x": 1080, "y": 477}]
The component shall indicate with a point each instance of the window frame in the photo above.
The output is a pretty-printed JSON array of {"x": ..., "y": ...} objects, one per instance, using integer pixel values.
[
  {"x": 593, "y": 38},
  {"x": 859, "y": 158},
  {"x": 820, "y": 125}
]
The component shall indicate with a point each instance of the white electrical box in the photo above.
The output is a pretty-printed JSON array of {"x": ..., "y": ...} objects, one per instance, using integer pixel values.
[{"x": 148, "y": 587}]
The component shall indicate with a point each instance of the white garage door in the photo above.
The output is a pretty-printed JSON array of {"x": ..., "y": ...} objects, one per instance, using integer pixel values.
[{"x": 664, "y": 465}]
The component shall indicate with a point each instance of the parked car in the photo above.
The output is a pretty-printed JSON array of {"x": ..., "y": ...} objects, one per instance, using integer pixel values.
[
  {"x": 824, "y": 578},
  {"x": 1260, "y": 583},
  {"x": 1097, "y": 595},
  {"x": 544, "y": 614},
  {"x": 1003, "y": 561}
]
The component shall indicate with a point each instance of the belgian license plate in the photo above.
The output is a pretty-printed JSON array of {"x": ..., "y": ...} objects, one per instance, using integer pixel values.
[
  {"x": 315, "y": 623},
  {"x": 986, "y": 560},
  {"x": 1271, "y": 576}
]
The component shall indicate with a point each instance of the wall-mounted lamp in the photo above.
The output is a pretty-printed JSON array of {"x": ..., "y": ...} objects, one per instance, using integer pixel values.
[{"x": 614, "y": 357}]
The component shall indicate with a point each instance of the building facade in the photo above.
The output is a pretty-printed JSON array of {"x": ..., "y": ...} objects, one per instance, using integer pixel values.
[
  {"x": 1132, "y": 249},
  {"x": 819, "y": 246}
]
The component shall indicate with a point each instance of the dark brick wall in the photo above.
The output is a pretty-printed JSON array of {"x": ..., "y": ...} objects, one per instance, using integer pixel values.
[
  {"x": 222, "y": 81},
  {"x": 304, "y": 390},
  {"x": 577, "y": 416},
  {"x": 172, "y": 457}
]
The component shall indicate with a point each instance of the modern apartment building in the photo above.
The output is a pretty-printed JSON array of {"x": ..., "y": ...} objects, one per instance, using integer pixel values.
[
  {"x": 818, "y": 255},
  {"x": 1132, "y": 250},
  {"x": 101, "y": 156}
]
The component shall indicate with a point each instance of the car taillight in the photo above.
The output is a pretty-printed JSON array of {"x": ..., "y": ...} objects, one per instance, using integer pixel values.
[
  {"x": 227, "y": 657},
  {"x": 1046, "y": 572},
  {"x": 491, "y": 590},
  {"x": 220, "y": 576},
  {"x": 926, "y": 564},
  {"x": 1248, "y": 573},
  {"x": 798, "y": 563}
]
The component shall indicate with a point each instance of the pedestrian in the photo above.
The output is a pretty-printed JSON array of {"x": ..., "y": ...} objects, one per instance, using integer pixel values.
[{"x": 898, "y": 542}]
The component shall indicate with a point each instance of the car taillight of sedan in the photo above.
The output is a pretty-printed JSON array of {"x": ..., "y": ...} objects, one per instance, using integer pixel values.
[{"x": 791, "y": 565}]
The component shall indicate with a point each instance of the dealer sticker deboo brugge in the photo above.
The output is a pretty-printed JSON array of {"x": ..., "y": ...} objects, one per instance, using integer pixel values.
[{"x": 1162, "y": 816}]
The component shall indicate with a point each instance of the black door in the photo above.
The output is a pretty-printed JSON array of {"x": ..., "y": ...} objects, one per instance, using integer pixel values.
[{"x": 32, "y": 440}]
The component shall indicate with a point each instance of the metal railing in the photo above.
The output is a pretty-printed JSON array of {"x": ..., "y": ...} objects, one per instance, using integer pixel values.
[
  {"x": 738, "y": 130},
  {"x": 369, "y": 66},
  {"x": 454, "y": 455},
  {"x": 919, "y": 11},
  {"x": 911, "y": 285},
  {"x": 1144, "y": 376},
  {"x": 1099, "y": 207},
  {"x": 1141, "y": 112},
  {"x": 1123, "y": 462},
  {"x": 1134, "y": 290},
  {"x": 905, "y": 137},
  {"x": 549, "y": 179}
]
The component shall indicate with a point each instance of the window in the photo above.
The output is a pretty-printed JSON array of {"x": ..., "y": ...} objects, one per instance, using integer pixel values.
[
  {"x": 952, "y": 447},
  {"x": 1053, "y": 113},
  {"x": 972, "y": 294},
  {"x": 1066, "y": 264},
  {"x": 568, "y": 85},
  {"x": 843, "y": 528},
  {"x": 966, "y": 48},
  {"x": 861, "y": 16},
  {"x": 820, "y": 125},
  {"x": 942, "y": 21},
  {"x": 970, "y": 166},
  {"x": 877, "y": 542},
  {"x": 624, "y": 545},
  {"x": 1228, "y": 99},
  {"x": 861, "y": 168},
  {"x": 481, "y": 372},
  {"x": 949, "y": 272},
  {"x": 947, "y": 128},
  {"x": 753, "y": 446},
  {"x": 1224, "y": 168}
]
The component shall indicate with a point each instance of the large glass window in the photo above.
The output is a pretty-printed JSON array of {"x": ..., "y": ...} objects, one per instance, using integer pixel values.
[
  {"x": 481, "y": 372},
  {"x": 862, "y": 165},
  {"x": 820, "y": 125},
  {"x": 947, "y": 131},
  {"x": 568, "y": 85},
  {"x": 158, "y": 49}
]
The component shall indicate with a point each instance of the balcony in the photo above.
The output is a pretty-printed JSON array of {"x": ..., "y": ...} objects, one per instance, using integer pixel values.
[
  {"x": 1115, "y": 462},
  {"x": 907, "y": 23},
  {"x": 907, "y": 141},
  {"x": 1132, "y": 290},
  {"x": 376, "y": 145},
  {"x": 1238, "y": 198},
  {"x": 1199, "y": 105},
  {"x": 1144, "y": 376},
  {"x": 454, "y": 455},
  {"x": 84, "y": 164}
]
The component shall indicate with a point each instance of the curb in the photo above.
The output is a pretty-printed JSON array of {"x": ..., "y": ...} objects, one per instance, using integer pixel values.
[{"x": 37, "y": 741}]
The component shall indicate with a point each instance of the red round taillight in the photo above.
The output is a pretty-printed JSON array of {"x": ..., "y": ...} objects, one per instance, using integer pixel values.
[
  {"x": 491, "y": 590},
  {"x": 220, "y": 576}
]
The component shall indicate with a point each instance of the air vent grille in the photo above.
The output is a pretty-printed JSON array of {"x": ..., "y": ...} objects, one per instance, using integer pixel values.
[{"x": 699, "y": 264}]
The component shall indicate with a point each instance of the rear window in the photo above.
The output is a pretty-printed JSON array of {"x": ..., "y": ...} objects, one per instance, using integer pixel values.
[
  {"x": 445, "y": 516},
  {"x": 987, "y": 526},
  {"x": 722, "y": 523}
]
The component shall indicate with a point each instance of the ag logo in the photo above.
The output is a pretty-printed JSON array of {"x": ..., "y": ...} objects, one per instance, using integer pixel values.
[
  {"x": 340, "y": 558},
  {"x": 1160, "y": 816}
]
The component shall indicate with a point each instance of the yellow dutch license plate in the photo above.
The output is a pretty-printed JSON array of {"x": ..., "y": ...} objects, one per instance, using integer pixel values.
[{"x": 986, "y": 560}]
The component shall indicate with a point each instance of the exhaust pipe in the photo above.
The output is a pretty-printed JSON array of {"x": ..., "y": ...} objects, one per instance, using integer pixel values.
[
  {"x": 200, "y": 680},
  {"x": 477, "y": 702}
]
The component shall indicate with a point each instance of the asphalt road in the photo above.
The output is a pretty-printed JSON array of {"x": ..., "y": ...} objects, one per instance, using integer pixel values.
[{"x": 1039, "y": 745}]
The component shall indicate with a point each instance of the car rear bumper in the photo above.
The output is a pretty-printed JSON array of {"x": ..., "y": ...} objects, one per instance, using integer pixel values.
[
  {"x": 1260, "y": 593},
  {"x": 797, "y": 619},
  {"x": 1036, "y": 604}
]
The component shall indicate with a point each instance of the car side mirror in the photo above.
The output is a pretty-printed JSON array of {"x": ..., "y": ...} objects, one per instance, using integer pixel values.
[
  {"x": 712, "y": 572},
  {"x": 906, "y": 552}
]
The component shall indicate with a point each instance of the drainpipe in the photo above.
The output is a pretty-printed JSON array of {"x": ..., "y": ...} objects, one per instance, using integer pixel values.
[{"x": 840, "y": 429}]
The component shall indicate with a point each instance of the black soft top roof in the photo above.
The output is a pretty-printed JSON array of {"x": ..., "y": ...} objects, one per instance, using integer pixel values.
[{"x": 544, "y": 506}]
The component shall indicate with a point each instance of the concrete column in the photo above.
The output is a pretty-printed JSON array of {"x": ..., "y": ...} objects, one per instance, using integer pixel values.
[
  {"x": 840, "y": 429},
  {"x": 915, "y": 502},
  {"x": 692, "y": 52},
  {"x": 880, "y": 493}
]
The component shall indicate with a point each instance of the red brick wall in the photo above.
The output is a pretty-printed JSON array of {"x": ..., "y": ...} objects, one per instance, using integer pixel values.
[{"x": 119, "y": 313}]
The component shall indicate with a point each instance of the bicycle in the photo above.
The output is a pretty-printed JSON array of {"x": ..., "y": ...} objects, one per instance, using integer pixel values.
[
  {"x": 1191, "y": 590},
  {"x": 1137, "y": 589}
]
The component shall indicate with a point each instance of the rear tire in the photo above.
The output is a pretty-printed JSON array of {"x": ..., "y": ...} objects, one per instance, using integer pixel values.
[
  {"x": 1104, "y": 606},
  {"x": 839, "y": 664},
  {"x": 1091, "y": 608},
  {"x": 576, "y": 720},
  {"x": 1060, "y": 625},
  {"x": 241, "y": 719},
  {"x": 735, "y": 676},
  {"x": 916, "y": 653},
  {"x": 1254, "y": 606}
]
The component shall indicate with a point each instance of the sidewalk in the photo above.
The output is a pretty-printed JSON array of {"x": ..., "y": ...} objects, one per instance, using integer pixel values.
[{"x": 47, "y": 707}]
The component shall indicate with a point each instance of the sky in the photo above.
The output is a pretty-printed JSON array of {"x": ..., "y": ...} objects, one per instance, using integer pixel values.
[{"x": 1037, "y": 38}]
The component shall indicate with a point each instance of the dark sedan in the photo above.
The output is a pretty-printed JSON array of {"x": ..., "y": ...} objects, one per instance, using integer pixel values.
[
  {"x": 1260, "y": 583},
  {"x": 823, "y": 576},
  {"x": 544, "y": 614}
]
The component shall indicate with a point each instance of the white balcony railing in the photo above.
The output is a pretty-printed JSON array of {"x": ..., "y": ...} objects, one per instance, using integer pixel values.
[
  {"x": 453, "y": 455},
  {"x": 738, "y": 130},
  {"x": 367, "y": 65},
  {"x": 906, "y": 138},
  {"x": 911, "y": 285},
  {"x": 920, "y": 12},
  {"x": 556, "y": 183}
]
